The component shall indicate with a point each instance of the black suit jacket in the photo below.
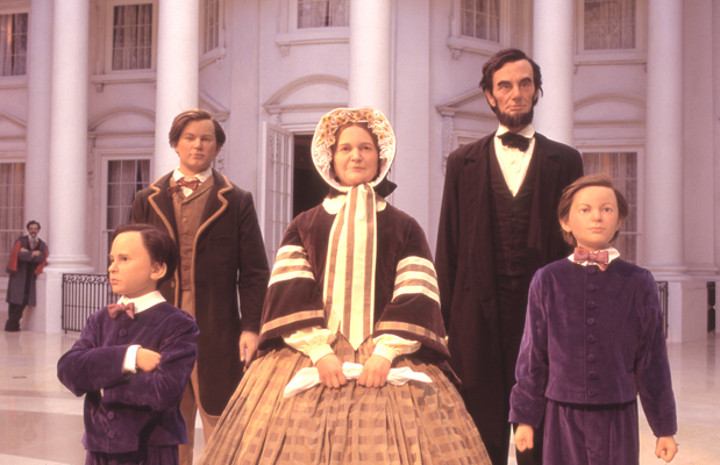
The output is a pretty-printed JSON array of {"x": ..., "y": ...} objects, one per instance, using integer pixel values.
[{"x": 465, "y": 248}]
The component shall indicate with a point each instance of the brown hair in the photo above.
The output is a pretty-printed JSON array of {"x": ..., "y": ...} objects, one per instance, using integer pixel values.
[
  {"x": 182, "y": 120},
  {"x": 589, "y": 180},
  {"x": 158, "y": 243},
  {"x": 508, "y": 55}
]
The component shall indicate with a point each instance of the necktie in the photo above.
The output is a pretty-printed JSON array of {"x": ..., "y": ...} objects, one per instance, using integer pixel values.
[
  {"x": 510, "y": 139},
  {"x": 191, "y": 184},
  {"x": 116, "y": 309},
  {"x": 593, "y": 258}
]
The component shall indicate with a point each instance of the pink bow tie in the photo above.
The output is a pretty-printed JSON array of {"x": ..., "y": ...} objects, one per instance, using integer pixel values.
[
  {"x": 116, "y": 309},
  {"x": 601, "y": 258}
]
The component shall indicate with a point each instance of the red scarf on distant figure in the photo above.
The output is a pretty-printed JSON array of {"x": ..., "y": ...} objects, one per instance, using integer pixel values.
[{"x": 12, "y": 265}]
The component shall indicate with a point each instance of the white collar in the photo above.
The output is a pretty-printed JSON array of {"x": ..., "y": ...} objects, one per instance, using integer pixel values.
[
  {"x": 202, "y": 176},
  {"x": 333, "y": 204},
  {"x": 144, "y": 302},
  {"x": 528, "y": 131}
]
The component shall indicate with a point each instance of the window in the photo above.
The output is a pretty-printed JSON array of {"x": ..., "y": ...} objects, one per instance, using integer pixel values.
[
  {"x": 13, "y": 44},
  {"x": 609, "y": 25},
  {"x": 322, "y": 13},
  {"x": 211, "y": 36},
  {"x": 481, "y": 19},
  {"x": 622, "y": 168},
  {"x": 277, "y": 204},
  {"x": 124, "y": 178},
  {"x": 483, "y": 27},
  {"x": 12, "y": 178},
  {"x": 132, "y": 37}
]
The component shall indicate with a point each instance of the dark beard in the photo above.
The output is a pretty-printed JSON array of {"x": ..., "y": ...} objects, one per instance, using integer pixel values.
[{"x": 515, "y": 122}]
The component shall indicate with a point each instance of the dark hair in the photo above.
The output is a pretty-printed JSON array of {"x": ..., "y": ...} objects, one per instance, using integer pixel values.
[
  {"x": 158, "y": 243},
  {"x": 589, "y": 180},
  {"x": 32, "y": 222},
  {"x": 508, "y": 55},
  {"x": 182, "y": 120}
]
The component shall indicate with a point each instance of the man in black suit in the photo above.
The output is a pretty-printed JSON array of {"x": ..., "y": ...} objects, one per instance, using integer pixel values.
[{"x": 498, "y": 225}]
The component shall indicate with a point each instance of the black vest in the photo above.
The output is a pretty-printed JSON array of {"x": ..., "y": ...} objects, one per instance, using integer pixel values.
[{"x": 511, "y": 219}]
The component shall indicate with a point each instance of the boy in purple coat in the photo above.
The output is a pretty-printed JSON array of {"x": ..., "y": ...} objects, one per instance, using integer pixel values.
[
  {"x": 593, "y": 341},
  {"x": 134, "y": 358}
]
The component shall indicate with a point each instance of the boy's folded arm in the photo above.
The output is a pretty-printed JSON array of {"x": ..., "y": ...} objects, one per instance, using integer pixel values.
[
  {"x": 87, "y": 369},
  {"x": 164, "y": 386}
]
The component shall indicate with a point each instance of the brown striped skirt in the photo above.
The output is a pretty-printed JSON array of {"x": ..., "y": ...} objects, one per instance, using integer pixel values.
[{"x": 416, "y": 423}]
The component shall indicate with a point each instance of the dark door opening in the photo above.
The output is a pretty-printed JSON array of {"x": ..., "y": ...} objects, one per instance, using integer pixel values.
[{"x": 309, "y": 189}]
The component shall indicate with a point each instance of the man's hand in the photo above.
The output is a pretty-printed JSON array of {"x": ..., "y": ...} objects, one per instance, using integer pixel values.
[
  {"x": 375, "y": 371},
  {"x": 147, "y": 360},
  {"x": 524, "y": 437},
  {"x": 666, "y": 448},
  {"x": 248, "y": 347},
  {"x": 330, "y": 371}
]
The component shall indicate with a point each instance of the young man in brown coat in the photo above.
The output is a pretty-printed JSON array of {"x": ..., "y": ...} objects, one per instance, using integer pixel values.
[{"x": 221, "y": 254}]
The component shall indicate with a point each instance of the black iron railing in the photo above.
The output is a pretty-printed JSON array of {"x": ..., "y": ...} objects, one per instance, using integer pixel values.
[{"x": 82, "y": 295}]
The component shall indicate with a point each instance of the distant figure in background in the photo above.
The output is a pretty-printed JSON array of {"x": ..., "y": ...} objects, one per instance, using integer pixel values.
[
  {"x": 221, "y": 254},
  {"x": 27, "y": 260}
]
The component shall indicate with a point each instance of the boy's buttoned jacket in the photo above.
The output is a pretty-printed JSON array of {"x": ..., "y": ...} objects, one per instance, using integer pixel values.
[
  {"x": 591, "y": 338},
  {"x": 127, "y": 411}
]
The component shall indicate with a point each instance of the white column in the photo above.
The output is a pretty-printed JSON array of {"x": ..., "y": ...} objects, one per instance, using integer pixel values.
[
  {"x": 415, "y": 167},
  {"x": 370, "y": 47},
  {"x": 664, "y": 236},
  {"x": 553, "y": 50},
  {"x": 664, "y": 168},
  {"x": 716, "y": 143},
  {"x": 38, "y": 125},
  {"x": 68, "y": 154},
  {"x": 177, "y": 73}
]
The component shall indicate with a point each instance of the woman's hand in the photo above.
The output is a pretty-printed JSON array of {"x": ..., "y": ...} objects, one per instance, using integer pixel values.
[
  {"x": 524, "y": 437},
  {"x": 330, "y": 371},
  {"x": 666, "y": 448},
  {"x": 375, "y": 372}
]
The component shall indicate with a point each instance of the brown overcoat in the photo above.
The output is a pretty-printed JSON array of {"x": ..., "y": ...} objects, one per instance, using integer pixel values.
[{"x": 228, "y": 257}]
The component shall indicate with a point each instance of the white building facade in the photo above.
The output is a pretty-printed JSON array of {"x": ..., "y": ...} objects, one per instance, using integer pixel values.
[{"x": 88, "y": 89}]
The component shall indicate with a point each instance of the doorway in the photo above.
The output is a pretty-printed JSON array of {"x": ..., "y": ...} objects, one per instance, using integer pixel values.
[{"x": 309, "y": 188}]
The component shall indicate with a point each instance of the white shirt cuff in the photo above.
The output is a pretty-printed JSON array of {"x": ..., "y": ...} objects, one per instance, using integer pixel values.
[
  {"x": 130, "y": 363},
  {"x": 390, "y": 346}
]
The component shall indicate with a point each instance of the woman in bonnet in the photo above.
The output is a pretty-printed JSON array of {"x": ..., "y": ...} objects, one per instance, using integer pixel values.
[{"x": 353, "y": 341}]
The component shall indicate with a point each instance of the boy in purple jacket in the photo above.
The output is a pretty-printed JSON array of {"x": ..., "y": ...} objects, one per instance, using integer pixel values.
[
  {"x": 134, "y": 358},
  {"x": 593, "y": 341}
]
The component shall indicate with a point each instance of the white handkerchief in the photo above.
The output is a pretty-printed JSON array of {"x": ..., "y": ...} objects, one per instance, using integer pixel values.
[{"x": 309, "y": 377}]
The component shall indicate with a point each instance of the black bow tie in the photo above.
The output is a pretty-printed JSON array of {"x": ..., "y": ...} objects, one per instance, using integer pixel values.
[{"x": 510, "y": 139}]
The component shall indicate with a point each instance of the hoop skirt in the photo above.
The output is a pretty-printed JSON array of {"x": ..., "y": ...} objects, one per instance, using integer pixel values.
[{"x": 416, "y": 423}]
